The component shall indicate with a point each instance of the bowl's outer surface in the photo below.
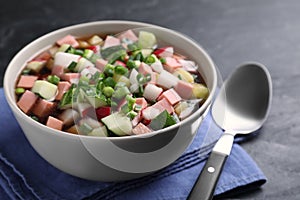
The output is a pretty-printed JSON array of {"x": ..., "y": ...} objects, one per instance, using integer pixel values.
[{"x": 111, "y": 159}]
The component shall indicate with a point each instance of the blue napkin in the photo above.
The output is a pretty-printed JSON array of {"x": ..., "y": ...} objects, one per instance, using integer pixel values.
[{"x": 25, "y": 175}]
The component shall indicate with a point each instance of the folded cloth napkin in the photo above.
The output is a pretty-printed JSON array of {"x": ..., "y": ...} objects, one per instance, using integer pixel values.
[{"x": 25, "y": 175}]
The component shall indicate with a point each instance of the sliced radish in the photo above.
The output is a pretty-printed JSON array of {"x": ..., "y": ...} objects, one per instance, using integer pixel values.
[
  {"x": 151, "y": 92},
  {"x": 69, "y": 116},
  {"x": 65, "y": 59},
  {"x": 167, "y": 80},
  {"x": 164, "y": 52},
  {"x": 157, "y": 66}
]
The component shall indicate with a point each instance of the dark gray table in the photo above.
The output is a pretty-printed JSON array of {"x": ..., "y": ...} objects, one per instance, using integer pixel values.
[{"x": 232, "y": 31}]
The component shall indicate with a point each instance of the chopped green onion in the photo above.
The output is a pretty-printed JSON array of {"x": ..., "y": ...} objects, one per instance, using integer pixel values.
[
  {"x": 132, "y": 47},
  {"x": 131, "y": 114},
  {"x": 109, "y": 81},
  {"x": 35, "y": 118},
  {"x": 179, "y": 76},
  {"x": 53, "y": 79},
  {"x": 19, "y": 91},
  {"x": 150, "y": 59},
  {"x": 26, "y": 71},
  {"x": 163, "y": 60},
  {"x": 78, "y": 52},
  {"x": 131, "y": 64},
  {"x": 121, "y": 70},
  {"x": 87, "y": 53},
  {"x": 121, "y": 92},
  {"x": 139, "y": 56},
  {"x": 148, "y": 77},
  {"x": 108, "y": 91},
  {"x": 130, "y": 101},
  {"x": 109, "y": 69},
  {"x": 137, "y": 107},
  {"x": 72, "y": 66},
  {"x": 70, "y": 50}
]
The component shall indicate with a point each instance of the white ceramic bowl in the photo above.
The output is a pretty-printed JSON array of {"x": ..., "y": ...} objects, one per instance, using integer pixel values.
[{"x": 111, "y": 159}]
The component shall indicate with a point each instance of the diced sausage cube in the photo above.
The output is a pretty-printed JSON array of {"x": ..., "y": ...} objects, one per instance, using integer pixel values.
[
  {"x": 172, "y": 64},
  {"x": 54, "y": 123},
  {"x": 141, "y": 129},
  {"x": 171, "y": 95},
  {"x": 71, "y": 77},
  {"x": 62, "y": 87},
  {"x": 152, "y": 111},
  {"x": 184, "y": 89},
  {"x": 26, "y": 81},
  {"x": 58, "y": 70},
  {"x": 43, "y": 56},
  {"x": 27, "y": 101},
  {"x": 43, "y": 108},
  {"x": 141, "y": 102},
  {"x": 164, "y": 104},
  {"x": 111, "y": 41},
  {"x": 69, "y": 39},
  {"x": 129, "y": 34}
]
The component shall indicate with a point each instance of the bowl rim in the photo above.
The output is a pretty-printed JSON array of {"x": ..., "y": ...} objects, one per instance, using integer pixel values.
[{"x": 191, "y": 118}]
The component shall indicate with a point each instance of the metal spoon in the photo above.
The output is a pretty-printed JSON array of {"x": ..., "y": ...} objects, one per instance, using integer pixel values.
[{"x": 241, "y": 107}]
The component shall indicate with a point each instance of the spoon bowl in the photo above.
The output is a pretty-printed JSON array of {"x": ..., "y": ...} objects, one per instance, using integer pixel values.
[
  {"x": 241, "y": 107},
  {"x": 243, "y": 103}
]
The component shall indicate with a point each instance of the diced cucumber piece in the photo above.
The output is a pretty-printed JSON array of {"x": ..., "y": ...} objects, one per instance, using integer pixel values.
[
  {"x": 162, "y": 120},
  {"x": 99, "y": 132},
  {"x": 45, "y": 89},
  {"x": 64, "y": 48},
  {"x": 118, "y": 124},
  {"x": 146, "y": 40},
  {"x": 87, "y": 53},
  {"x": 84, "y": 129},
  {"x": 36, "y": 66},
  {"x": 108, "y": 52},
  {"x": 83, "y": 63}
]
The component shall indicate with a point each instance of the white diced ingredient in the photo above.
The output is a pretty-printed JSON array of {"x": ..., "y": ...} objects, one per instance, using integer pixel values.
[
  {"x": 166, "y": 79},
  {"x": 151, "y": 92},
  {"x": 69, "y": 116},
  {"x": 133, "y": 76},
  {"x": 65, "y": 59},
  {"x": 150, "y": 113},
  {"x": 157, "y": 66}
]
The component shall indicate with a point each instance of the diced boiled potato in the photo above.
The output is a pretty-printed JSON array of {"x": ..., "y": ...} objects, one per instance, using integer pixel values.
[
  {"x": 95, "y": 40},
  {"x": 184, "y": 75},
  {"x": 181, "y": 106},
  {"x": 200, "y": 91}
]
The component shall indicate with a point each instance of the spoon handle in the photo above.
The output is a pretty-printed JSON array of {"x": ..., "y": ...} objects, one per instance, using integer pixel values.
[{"x": 206, "y": 183}]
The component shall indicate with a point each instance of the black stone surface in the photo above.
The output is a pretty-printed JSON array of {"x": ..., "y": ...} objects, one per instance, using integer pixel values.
[{"x": 232, "y": 31}]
